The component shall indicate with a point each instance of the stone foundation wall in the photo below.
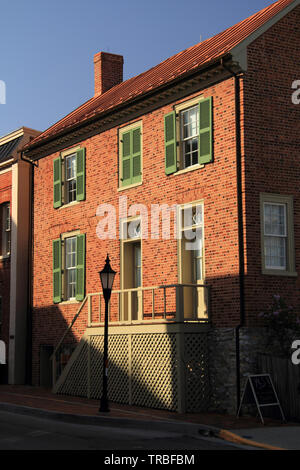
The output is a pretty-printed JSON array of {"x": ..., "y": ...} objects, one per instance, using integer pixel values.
[{"x": 222, "y": 366}]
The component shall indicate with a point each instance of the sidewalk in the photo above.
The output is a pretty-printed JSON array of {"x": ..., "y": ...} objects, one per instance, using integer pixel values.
[{"x": 245, "y": 430}]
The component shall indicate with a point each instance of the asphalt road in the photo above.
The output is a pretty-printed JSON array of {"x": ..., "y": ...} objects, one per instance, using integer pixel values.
[{"x": 24, "y": 432}]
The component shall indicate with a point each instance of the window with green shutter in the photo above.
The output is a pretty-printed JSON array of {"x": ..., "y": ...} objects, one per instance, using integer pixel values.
[
  {"x": 57, "y": 183},
  {"x": 80, "y": 174},
  {"x": 205, "y": 131},
  {"x": 69, "y": 177},
  {"x": 131, "y": 156},
  {"x": 170, "y": 143},
  {"x": 69, "y": 267},
  {"x": 188, "y": 135}
]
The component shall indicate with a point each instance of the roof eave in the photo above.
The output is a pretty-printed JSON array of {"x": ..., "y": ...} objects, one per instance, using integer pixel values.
[{"x": 143, "y": 97}]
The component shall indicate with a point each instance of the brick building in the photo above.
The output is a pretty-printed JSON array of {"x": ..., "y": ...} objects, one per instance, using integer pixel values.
[
  {"x": 212, "y": 130},
  {"x": 15, "y": 204}
]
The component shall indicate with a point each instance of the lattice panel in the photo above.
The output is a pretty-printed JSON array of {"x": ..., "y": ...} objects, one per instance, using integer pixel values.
[
  {"x": 76, "y": 380},
  {"x": 143, "y": 370},
  {"x": 197, "y": 374},
  {"x": 118, "y": 372},
  {"x": 154, "y": 371}
]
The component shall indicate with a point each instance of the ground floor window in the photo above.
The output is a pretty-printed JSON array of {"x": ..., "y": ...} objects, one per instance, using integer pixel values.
[
  {"x": 69, "y": 267},
  {"x": 277, "y": 234}
]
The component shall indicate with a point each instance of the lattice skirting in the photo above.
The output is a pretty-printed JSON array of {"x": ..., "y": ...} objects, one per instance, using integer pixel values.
[{"x": 157, "y": 370}]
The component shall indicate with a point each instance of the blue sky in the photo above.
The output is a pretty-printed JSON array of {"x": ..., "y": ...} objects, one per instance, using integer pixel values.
[{"x": 47, "y": 47}]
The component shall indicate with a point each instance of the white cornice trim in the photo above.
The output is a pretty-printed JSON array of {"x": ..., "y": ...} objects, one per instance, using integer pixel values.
[{"x": 22, "y": 131}]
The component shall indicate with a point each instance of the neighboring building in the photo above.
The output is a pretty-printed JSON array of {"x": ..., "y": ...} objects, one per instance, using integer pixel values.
[
  {"x": 212, "y": 128},
  {"x": 15, "y": 204}
]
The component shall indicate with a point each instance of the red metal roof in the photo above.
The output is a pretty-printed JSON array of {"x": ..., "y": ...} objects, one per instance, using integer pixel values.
[{"x": 176, "y": 66}]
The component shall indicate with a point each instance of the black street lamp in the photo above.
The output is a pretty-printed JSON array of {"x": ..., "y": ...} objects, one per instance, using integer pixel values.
[{"x": 107, "y": 276}]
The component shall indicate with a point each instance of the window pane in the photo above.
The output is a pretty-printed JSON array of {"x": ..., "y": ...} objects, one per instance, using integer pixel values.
[
  {"x": 275, "y": 219},
  {"x": 275, "y": 252},
  {"x": 71, "y": 283}
]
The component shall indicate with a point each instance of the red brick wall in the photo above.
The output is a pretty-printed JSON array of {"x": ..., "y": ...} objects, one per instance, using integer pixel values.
[
  {"x": 272, "y": 153},
  {"x": 270, "y": 129},
  {"x": 5, "y": 196},
  {"x": 215, "y": 184}
]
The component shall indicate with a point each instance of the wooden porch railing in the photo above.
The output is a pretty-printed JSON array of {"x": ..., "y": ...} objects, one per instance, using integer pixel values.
[{"x": 177, "y": 303}]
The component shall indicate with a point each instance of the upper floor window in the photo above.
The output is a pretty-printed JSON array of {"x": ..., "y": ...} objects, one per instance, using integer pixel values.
[
  {"x": 69, "y": 177},
  {"x": 189, "y": 127},
  {"x": 188, "y": 135},
  {"x": 130, "y": 145},
  {"x": 6, "y": 230},
  {"x": 278, "y": 255}
]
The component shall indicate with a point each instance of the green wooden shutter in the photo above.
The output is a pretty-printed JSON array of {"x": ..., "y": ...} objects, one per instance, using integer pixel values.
[
  {"x": 80, "y": 175},
  {"x": 57, "y": 288},
  {"x": 57, "y": 201},
  {"x": 170, "y": 143},
  {"x": 126, "y": 158},
  {"x": 136, "y": 155},
  {"x": 205, "y": 131},
  {"x": 80, "y": 266}
]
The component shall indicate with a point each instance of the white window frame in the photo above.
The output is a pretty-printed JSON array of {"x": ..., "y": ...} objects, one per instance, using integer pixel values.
[
  {"x": 64, "y": 291},
  {"x": 183, "y": 139},
  {"x": 284, "y": 236},
  {"x": 68, "y": 180},
  {"x": 69, "y": 268},
  {"x": 194, "y": 226},
  {"x": 6, "y": 230},
  {"x": 287, "y": 202}
]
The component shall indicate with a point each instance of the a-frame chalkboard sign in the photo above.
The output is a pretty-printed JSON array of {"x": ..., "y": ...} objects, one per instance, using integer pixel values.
[{"x": 259, "y": 390}]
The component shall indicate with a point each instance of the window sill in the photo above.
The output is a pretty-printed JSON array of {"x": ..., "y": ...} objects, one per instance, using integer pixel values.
[
  {"x": 187, "y": 170},
  {"x": 130, "y": 186},
  {"x": 273, "y": 272},
  {"x": 69, "y": 302},
  {"x": 70, "y": 204}
]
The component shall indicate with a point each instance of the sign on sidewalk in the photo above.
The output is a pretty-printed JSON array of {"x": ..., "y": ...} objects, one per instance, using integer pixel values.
[{"x": 259, "y": 390}]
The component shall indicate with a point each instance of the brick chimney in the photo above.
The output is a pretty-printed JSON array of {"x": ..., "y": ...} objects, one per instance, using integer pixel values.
[{"x": 108, "y": 70}]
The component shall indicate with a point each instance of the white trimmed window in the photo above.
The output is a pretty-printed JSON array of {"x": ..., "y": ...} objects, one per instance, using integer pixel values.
[
  {"x": 6, "y": 229},
  {"x": 189, "y": 127},
  {"x": 70, "y": 178},
  {"x": 278, "y": 255},
  {"x": 275, "y": 236},
  {"x": 70, "y": 267},
  {"x": 191, "y": 227},
  {"x": 189, "y": 135}
]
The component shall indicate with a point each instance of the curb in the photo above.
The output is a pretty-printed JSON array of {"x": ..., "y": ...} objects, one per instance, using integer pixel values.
[
  {"x": 236, "y": 439},
  {"x": 178, "y": 427}
]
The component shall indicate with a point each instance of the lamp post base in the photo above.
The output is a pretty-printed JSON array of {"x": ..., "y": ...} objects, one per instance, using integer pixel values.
[{"x": 104, "y": 408}]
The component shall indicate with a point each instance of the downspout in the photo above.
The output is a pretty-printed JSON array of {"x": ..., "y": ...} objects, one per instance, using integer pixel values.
[
  {"x": 28, "y": 376},
  {"x": 240, "y": 228}
]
